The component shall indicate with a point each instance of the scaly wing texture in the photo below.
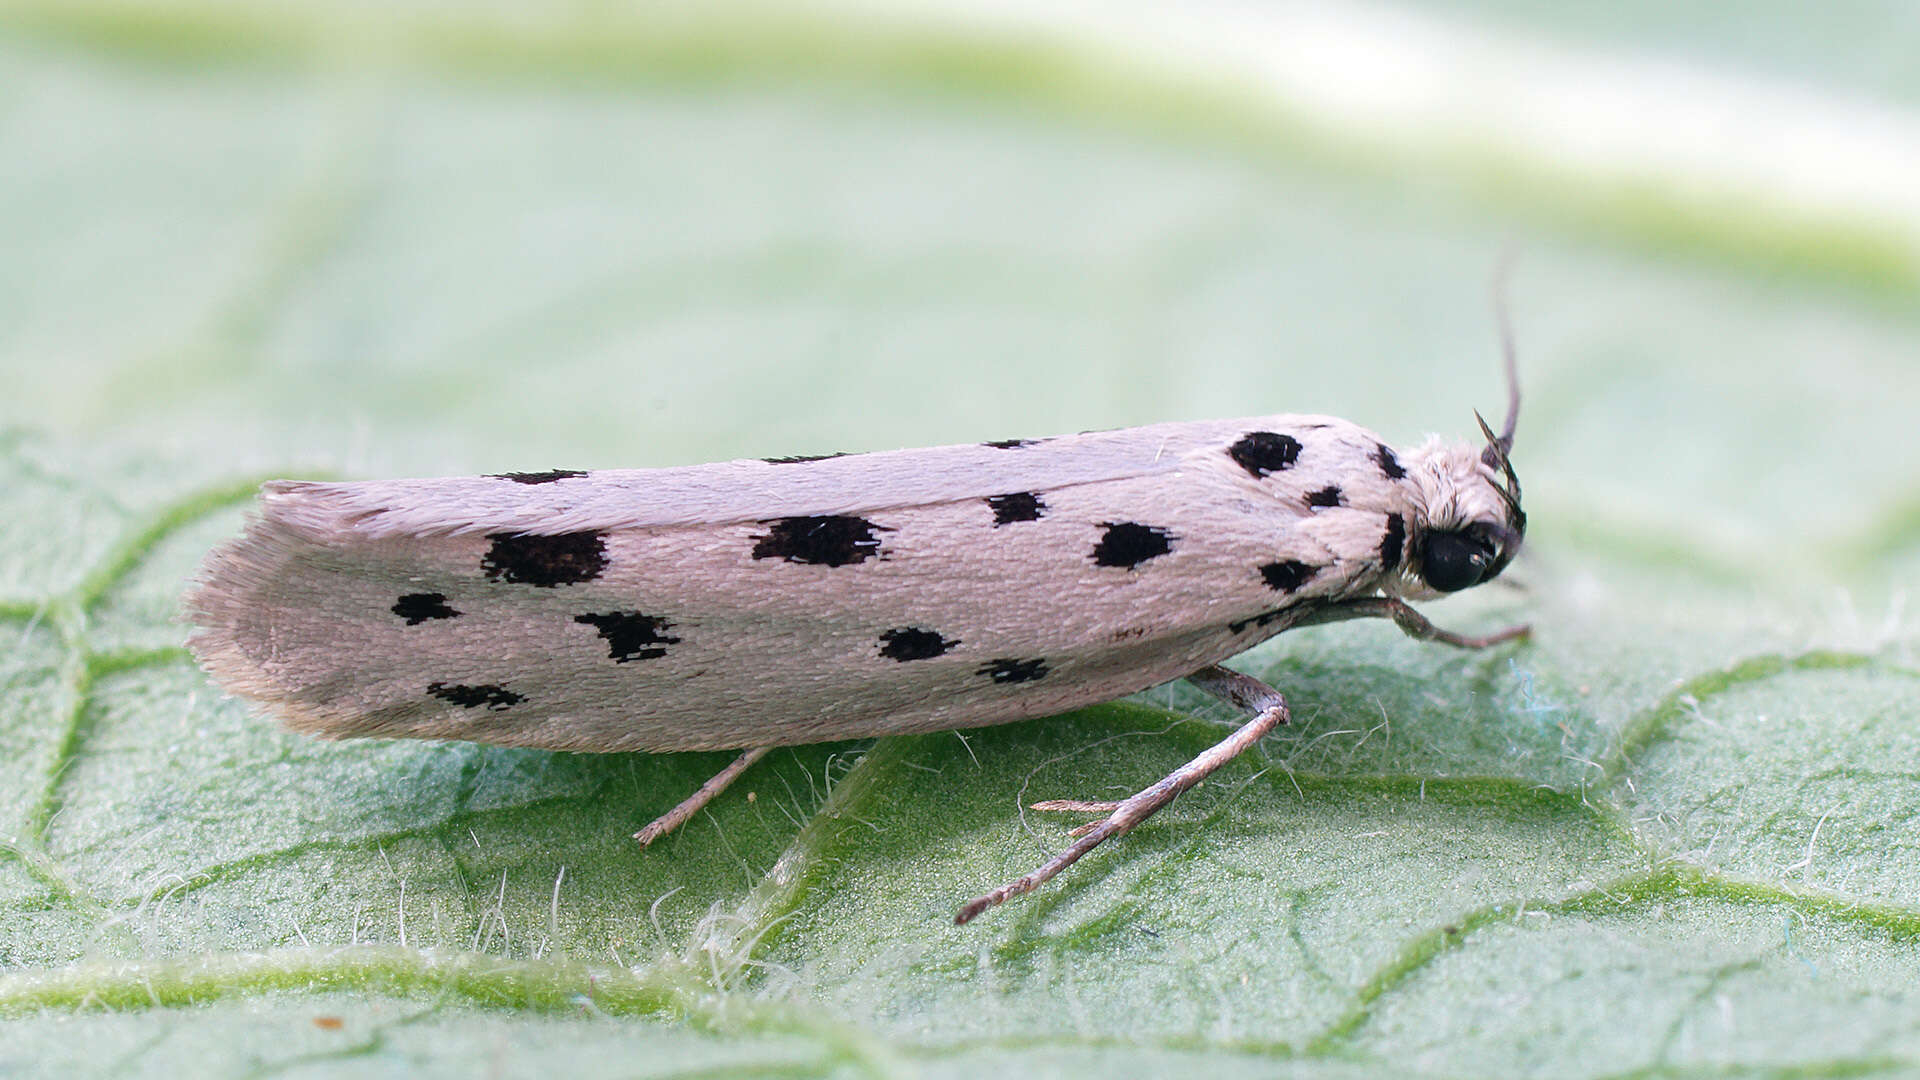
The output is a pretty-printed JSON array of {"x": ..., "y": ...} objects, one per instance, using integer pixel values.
[
  {"x": 566, "y": 500},
  {"x": 905, "y": 591}
]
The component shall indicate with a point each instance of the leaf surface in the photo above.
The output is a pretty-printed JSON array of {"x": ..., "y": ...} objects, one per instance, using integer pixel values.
[{"x": 1674, "y": 833}]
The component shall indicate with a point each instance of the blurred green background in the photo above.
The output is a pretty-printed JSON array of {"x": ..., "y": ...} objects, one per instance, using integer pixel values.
[{"x": 1676, "y": 834}]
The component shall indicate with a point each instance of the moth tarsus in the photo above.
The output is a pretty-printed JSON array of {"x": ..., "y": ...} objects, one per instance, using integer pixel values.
[
  {"x": 706, "y": 793},
  {"x": 761, "y": 603},
  {"x": 1075, "y": 806}
]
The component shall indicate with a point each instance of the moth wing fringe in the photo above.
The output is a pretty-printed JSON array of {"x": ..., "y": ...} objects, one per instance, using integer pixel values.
[{"x": 224, "y": 602}]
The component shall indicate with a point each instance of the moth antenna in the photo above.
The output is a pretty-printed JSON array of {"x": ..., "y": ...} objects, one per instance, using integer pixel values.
[
  {"x": 1498, "y": 446},
  {"x": 1496, "y": 455}
]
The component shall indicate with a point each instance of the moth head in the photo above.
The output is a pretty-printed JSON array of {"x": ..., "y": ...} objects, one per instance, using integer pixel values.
[
  {"x": 1467, "y": 523},
  {"x": 1470, "y": 525}
]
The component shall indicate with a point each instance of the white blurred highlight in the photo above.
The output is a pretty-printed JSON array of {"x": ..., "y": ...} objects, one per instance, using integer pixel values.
[{"x": 1402, "y": 79}]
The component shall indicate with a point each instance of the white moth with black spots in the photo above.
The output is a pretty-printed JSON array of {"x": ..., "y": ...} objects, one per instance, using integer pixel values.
[{"x": 754, "y": 604}]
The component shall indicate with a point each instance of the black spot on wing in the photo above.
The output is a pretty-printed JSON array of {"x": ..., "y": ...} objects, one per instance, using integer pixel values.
[
  {"x": 1288, "y": 575},
  {"x": 545, "y": 561},
  {"x": 912, "y": 643},
  {"x": 1018, "y": 506},
  {"x": 1012, "y": 444},
  {"x": 418, "y": 607},
  {"x": 631, "y": 635},
  {"x": 1391, "y": 541},
  {"x": 798, "y": 459},
  {"x": 473, "y": 697},
  {"x": 1263, "y": 452},
  {"x": 548, "y": 477},
  {"x": 1326, "y": 496},
  {"x": 1127, "y": 544},
  {"x": 1008, "y": 670},
  {"x": 1389, "y": 464},
  {"x": 821, "y": 540}
]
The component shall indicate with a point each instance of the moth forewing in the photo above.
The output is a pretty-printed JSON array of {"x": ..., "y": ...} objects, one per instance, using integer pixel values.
[
  {"x": 1005, "y": 593},
  {"x": 762, "y": 603}
]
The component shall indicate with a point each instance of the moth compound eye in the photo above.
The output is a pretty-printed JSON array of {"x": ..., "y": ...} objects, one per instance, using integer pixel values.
[{"x": 1451, "y": 561}]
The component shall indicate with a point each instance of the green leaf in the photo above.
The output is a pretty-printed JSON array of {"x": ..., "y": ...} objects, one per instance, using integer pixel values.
[{"x": 1671, "y": 834}]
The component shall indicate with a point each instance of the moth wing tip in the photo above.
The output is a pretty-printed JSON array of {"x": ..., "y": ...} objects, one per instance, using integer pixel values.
[{"x": 239, "y": 674}]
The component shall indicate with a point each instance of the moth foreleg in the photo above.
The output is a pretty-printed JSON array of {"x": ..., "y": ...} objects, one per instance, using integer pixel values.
[
  {"x": 1415, "y": 625},
  {"x": 691, "y": 805},
  {"x": 1270, "y": 711}
]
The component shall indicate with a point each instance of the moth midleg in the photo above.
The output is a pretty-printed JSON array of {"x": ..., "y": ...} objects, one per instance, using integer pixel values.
[
  {"x": 1244, "y": 691},
  {"x": 1415, "y": 625},
  {"x": 691, "y": 805}
]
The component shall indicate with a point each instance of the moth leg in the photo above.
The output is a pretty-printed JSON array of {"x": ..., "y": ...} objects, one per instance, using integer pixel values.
[
  {"x": 691, "y": 805},
  {"x": 1245, "y": 691},
  {"x": 1077, "y": 806},
  {"x": 1415, "y": 625}
]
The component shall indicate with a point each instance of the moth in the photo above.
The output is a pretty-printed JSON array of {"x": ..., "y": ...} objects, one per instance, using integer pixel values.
[{"x": 761, "y": 603}]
